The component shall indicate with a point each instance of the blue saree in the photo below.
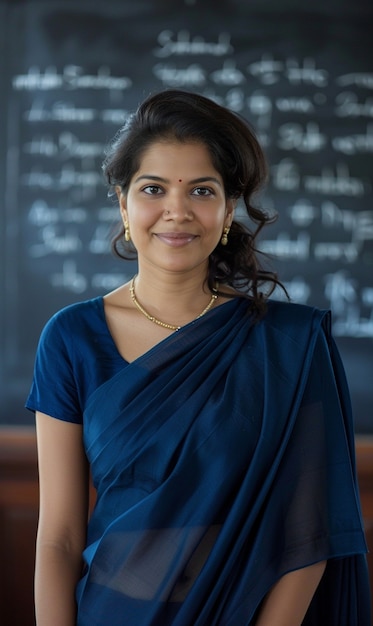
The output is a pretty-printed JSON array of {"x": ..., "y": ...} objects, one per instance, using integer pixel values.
[{"x": 222, "y": 459}]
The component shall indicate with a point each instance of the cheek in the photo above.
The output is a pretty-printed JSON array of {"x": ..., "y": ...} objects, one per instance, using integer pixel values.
[
  {"x": 215, "y": 221},
  {"x": 142, "y": 218}
]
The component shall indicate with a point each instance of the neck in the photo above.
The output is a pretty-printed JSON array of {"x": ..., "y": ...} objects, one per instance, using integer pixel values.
[
  {"x": 172, "y": 298},
  {"x": 152, "y": 318},
  {"x": 160, "y": 283}
]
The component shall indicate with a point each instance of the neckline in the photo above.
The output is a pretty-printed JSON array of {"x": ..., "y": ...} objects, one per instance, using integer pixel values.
[{"x": 100, "y": 300}]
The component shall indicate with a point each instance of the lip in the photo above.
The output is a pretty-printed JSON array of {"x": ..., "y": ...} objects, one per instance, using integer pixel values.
[{"x": 175, "y": 240}]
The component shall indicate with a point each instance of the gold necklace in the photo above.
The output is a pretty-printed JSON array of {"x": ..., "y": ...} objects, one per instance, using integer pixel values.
[{"x": 151, "y": 318}]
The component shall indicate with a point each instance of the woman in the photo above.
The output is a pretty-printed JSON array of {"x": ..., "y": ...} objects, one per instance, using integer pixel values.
[{"x": 215, "y": 423}]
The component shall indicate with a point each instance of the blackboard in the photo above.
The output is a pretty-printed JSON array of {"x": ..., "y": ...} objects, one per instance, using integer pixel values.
[{"x": 70, "y": 74}]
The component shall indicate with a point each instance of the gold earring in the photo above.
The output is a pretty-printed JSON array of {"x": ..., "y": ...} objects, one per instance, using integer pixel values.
[
  {"x": 224, "y": 237},
  {"x": 127, "y": 235}
]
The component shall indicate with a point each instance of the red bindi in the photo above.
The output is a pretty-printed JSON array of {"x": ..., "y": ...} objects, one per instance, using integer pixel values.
[{"x": 180, "y": 180}]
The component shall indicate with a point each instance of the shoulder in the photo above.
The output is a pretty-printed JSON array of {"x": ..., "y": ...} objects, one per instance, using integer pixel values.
[
  {"x": 79, "y": 310},
  {"x": 290, "y": 317},
  {"x": 69, "y": 326},
  {"x": 76, "y": 315},
  {"x": 279, "y": 308}
]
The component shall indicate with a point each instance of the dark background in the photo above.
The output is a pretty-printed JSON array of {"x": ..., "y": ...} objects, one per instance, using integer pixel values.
[{"x": 70, "y": 74}]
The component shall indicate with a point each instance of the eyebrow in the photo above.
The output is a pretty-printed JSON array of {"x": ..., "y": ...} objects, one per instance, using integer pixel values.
[{"x": 195, "y": 181}]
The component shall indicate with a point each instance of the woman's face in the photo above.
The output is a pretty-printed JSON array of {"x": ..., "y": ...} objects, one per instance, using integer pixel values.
[{"x": 176, "y": 207}]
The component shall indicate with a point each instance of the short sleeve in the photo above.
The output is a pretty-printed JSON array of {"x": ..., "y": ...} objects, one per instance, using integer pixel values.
[{"x": 54, "y": 389}]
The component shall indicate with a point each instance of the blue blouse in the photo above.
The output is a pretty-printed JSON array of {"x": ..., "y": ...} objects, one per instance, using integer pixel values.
[{"x": 76, "y": 355}]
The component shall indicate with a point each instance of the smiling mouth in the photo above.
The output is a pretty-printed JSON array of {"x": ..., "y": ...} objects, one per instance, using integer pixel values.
[{"x": 175, "y": 239}]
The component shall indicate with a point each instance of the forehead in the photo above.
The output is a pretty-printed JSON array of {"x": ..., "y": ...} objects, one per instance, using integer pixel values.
[{"x": 175, "y": 154}]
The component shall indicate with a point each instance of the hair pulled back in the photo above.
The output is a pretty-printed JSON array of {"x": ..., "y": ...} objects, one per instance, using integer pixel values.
[{"x": 237, "y": 156}]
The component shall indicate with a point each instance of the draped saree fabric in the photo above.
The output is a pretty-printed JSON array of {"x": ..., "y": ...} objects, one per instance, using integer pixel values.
[{"x": 224, "y": 458}]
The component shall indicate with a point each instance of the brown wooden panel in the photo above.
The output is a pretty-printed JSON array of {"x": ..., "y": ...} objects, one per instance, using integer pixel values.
[
  {"x": 18, "y": 532},
  {"x": 364, "y": 457},
  {"x": 18, "y": 522}
]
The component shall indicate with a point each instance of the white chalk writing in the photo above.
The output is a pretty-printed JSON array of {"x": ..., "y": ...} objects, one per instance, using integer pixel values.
[
  {"x": 367, "y": 296},
  {"x": 267, "y": 70},
  {"x": 66, "y": 178},
  {"x": 306, "y": 73},
  {"x": 99, "y": 243},
  {"x": 184, "y": 44},
  {"x": 177, "y": 77},
  {"x": 347, "y": 105},
  {"x": 359, "y": 79},
  {"x": 295, "y": 137},
  {"x": 284, "y": 247},
  {"x": 107, "y": 281},
  {"x": 339, "y": 183},
  {"x": 285, "y": 175},
  {"x": 353, "y": 324},
  {"x": 72, "y": 77},
  {"x": 333, "y": 251},
  {"x": 339, "y": 290},
  {"x": 53, "y": 242},
  {"x": 41, "y": 214},
  {"x": 353, "y": 144},
  {"x": 228, "y": 74},
  {"x": 303, "y": 213},
  {"x": 59, "y": 112},
  {"x": 294, "y": 105},
  {"x": 69, "y": 279},
  {"x": 298, "y": 289},
  {"x": 67, "y": 145}
]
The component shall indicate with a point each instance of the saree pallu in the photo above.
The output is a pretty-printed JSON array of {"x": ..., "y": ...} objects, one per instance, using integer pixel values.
[{"x": 223, "y": 458}]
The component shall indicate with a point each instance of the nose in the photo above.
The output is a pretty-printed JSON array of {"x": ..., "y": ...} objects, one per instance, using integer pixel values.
[{"x": 177, "y": 207}]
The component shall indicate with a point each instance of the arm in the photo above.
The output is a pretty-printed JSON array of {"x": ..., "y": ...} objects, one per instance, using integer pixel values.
[
  {"x": 63, "y": 480},
  {"x": 287, "y": 602}
]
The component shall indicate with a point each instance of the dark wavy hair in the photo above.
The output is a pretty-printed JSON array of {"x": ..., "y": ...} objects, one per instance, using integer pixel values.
[{"x": 235, "y": 153}]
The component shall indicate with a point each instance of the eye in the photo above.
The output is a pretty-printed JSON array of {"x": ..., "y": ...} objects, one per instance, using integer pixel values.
[
  {"x": 152, "y": 190},
  {"x": 203, "y": 192}
]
